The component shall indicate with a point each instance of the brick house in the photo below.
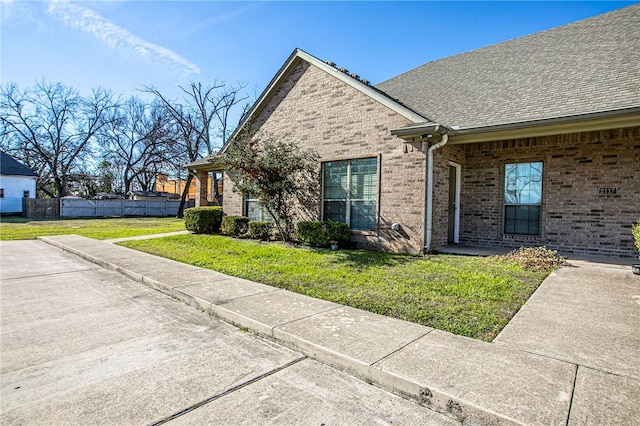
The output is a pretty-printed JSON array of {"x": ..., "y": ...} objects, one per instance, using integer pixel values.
[{"x": 533, "y": 141}]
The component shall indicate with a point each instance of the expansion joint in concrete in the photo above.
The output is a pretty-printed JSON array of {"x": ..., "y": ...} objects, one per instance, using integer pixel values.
[
  {"x": 232, "y": 389},
  {"x": 530, "y": 352},
  {"x": 390, "y": 354},
  {"x": 306, "y": 317},
  {"x": 573, "y": 393},
  {"x": 52, "y": 274}
]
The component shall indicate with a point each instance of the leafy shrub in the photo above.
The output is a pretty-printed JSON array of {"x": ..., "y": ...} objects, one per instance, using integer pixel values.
[
  {"x": 203, "y": 220},
  {"x": 338, "y": 232},
  {"x": 260, "y": 230},
  {"x": 313, "y": 233},
  {"x": 321, "y": 234},
  {"x": 636, "y": 234},
  {"x": 234, "y": 225},
  {"x": 535, "y": 258}
]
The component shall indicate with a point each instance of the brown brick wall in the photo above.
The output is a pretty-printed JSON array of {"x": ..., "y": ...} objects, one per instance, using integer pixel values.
[
  {"x": 326, "y": 115},
  {"x": 232, "y": 204},
  {"x": 339, "y": 122},
  {"x": 575, "y": 218},
  {"x": 202, "y": 185}
]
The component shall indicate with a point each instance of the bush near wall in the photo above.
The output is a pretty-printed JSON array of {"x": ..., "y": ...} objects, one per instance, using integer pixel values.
[
  {"x": 260, "y": 230},
  {"x": 322, "y": 234},
  {"x": 234, "y": 225},
  {"x": 203, "y": 220},
  {"x": 338, "y": 232}
]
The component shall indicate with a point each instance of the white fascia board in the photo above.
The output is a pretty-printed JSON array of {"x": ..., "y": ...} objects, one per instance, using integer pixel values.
[
  {"x": 299, "y": 54},
  {"x": 364, "y": 88},
  {"x": 264, "y": 96},
  {"x": 19, "y": 177},
  {"x": 595, "y": 121}
]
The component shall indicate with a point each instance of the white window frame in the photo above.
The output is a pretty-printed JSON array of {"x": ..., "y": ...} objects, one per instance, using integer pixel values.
[
  {"x": 348, "y": 201},
  {"x": 264, "y": 214}
]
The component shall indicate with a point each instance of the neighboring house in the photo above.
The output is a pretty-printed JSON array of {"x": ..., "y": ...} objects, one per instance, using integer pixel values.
[
  {"x": 176, "y": 186},
  {"x": 17, "y": 181},
  {"x": 107, "y": 196},
  {"x": 148, "y": 195},
  {"x": 534, "y": 141}
]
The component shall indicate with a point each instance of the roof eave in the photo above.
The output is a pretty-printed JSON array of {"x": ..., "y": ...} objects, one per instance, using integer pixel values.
[
  {"x": 421, "y": 129},
  {"x": 594, "y": 121},
  {"x": 13, "y": 175},
  {"x": 210, "y": 163}
]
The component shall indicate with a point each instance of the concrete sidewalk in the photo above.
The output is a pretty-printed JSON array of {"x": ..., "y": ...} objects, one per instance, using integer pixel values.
[{"x": 475, "y": 382}]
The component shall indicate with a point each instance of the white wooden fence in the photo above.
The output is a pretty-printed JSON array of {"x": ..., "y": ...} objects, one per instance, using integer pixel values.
[{"x": 70, "y": 207}]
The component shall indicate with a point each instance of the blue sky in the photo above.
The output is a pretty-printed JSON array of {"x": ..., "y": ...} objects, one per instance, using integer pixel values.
[{"x": 123, "y": 44}]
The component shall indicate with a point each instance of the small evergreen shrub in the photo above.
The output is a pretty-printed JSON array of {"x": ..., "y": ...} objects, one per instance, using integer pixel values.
[
  {"x": 338, "y": 232},
  {"x": 259, "y": 230},
  {"x": 535, "y": 258},
  {"x": 234, "y": 225},
  {"x": 203, "y": 220},
  {"x": 636, "y": 234},
  {"x": 313, "y": 233},
  {"x": 321, "y": 234}
]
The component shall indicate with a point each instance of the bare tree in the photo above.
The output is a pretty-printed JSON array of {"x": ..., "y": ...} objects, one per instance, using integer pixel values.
[
  {"x": 50, "y": 128},
  {"x": 138, "y": 142},
  {"x": 201, "y": 121}
]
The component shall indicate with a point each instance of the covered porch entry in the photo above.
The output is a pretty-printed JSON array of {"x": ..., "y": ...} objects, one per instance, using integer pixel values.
[{"x": 209, "y": 185}]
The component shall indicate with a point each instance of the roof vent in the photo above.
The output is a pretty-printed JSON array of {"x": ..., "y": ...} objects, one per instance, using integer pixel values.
[{"x": 346, "y": 71}]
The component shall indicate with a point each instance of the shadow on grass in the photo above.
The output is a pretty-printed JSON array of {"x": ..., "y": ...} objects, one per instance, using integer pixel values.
[{"x": 364, "y": 259}]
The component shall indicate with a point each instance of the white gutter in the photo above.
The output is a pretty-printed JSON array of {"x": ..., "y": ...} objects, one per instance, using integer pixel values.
[
  {"x": 624, "y": 117},
  {"x": 429, "y": 200}
]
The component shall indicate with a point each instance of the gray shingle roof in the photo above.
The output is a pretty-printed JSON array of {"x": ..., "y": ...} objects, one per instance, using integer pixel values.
[
  {"x": 10, "y": 166},
  {"x": 587, "y": 66}
]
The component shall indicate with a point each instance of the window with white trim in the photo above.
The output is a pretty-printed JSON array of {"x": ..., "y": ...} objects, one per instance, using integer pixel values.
[
  {"x": 255, "y": 211},
  {"x": 350, "y": 191},
  {"x": 522, "y": 198}
]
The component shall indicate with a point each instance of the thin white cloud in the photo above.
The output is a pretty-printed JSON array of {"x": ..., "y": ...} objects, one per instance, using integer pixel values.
[
  {"x": 222, "y": 17},
  {"x": 13, "y": 12},
  {"x": 116, "y": 37}
]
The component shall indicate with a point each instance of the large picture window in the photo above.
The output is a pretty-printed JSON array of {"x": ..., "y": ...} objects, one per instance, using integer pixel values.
[
  {"x": 350, "y": 192},
  {"x": 522, "y": 198}
]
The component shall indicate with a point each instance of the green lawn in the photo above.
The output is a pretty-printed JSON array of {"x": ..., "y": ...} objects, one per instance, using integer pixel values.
[
  {"x": 469, "y": 296},
  {"x": 16, "y": 228}
]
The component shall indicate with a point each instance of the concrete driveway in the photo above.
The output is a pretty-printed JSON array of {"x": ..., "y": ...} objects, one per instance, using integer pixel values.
[
  {"x": 84, "y": 345},
  {"x": 588, "y": 314}
]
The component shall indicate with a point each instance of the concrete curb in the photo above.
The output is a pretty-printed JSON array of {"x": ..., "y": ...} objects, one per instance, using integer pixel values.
[{"x": 376, "y": 372}]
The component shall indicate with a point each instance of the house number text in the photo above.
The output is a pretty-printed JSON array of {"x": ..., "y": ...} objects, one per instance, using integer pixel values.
[{"x": 607, "y": 191}]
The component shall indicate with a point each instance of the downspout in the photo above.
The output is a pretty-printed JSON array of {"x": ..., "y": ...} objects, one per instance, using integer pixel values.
[{"x": 429, "y": 197}]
